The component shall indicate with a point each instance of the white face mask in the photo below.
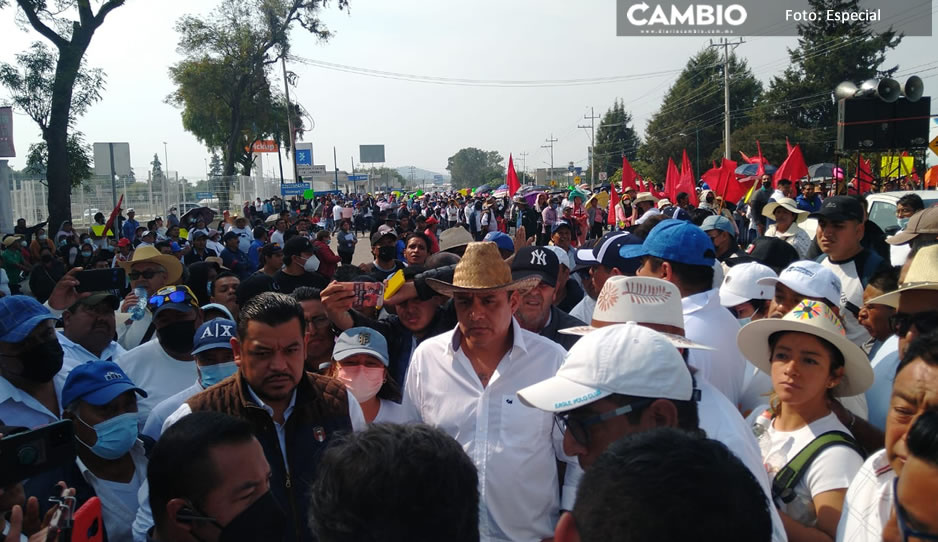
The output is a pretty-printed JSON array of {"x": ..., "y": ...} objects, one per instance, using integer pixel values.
[
  {"x": 362, "y": 382},
  {"x": 312, "y": 264}
]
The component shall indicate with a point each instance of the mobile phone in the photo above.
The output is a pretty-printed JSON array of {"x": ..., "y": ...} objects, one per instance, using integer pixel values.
[
  {"x": 99, "y": 280},
  {"x": 368, "y": 294},
  {"x": 24, "y": 455},
  {"x": 88, "y": 522}
]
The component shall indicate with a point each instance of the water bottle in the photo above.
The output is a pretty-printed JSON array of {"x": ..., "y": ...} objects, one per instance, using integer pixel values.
[{"x": 140, "y": 309}]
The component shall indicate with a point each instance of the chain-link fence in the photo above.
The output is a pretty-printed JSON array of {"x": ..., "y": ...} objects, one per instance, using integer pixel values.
[{"x": 149, "y": 198}]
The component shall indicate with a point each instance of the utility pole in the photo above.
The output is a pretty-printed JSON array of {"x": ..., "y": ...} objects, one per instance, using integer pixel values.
[
  {"x": 286, "y": 91},
  {"x": 726, "y": 44},
  {"x": 523, "y": 155},
  {"x": 551, "y": 141},
  {"x": 592, "y": 118}
]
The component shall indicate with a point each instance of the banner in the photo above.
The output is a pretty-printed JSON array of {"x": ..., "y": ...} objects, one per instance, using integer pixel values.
[
  {"x": 6, "y": 133},
  {"x": 893, "y": 166},
  {"x": 264, "y": 145}
]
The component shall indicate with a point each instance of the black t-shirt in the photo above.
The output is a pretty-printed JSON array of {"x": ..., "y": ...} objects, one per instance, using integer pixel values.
[{"x": 288, "y": 283}]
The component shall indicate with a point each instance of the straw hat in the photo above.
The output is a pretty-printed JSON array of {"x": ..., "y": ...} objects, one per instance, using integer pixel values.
[
  {"x": 814, "y": 318},
  {"x": 643, "y": 197},
  {"x": 454, "y": 238},
  {"x": 482, "y": 269},
  {"x": 922, "y": 275},
  {"x": 151, "y": 254},
  {"x": 11, "y": 240},
  {"x": 643, "y": 300},
  {"x": 664, "y": 202},
  {"x": 787, "y": 204}
]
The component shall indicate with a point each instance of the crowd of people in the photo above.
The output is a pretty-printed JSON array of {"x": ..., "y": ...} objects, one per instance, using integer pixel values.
[{"x": 521, "y": 368}]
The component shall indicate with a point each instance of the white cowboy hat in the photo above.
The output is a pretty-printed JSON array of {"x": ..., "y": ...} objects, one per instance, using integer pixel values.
[
  {"x": 151, "y": 254},
  {"x": 814, "y": 318},
  {"x": 643, "y": 197},
  {"x": 922, "y": 275},
  {"x": 789, "y": 205},
  {"x": 482, "y": 269}
]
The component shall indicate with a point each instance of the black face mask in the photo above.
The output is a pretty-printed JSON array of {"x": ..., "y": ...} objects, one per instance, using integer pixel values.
[
  {"x": 387, "y": 253},
  {"x": 41, "y": 362},
  {"x": 46, "y": 258},
  {"x": 263, "y": 520},
  {"x": 177, "y": 337}
]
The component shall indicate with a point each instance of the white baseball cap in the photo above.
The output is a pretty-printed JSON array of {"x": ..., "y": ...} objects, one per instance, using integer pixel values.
[
  {"x": 741, "y": 284},
  {"x": 809, "y": 279},
  {"x": 562, "y": 255},
  {"x": 597, "y": 367},
  {"x": 641, "y": 300}
]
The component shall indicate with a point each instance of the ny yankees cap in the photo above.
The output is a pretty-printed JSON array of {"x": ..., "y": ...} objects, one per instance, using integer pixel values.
[
  {"x": 214, "y": 334},
  {"x": 536, "y": 261}
]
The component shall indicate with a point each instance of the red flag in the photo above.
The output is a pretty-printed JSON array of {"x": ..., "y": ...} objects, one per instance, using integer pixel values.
[
  {"x": 729, "y": 186},
  {"x": 641, "y": 185},
  {"x": 788, "y": 147},
  {"x": 113, "y": 217},
  {"x": 513, "y": 183},
  {"x": 671, "y": 179},
  {"x": 686, "y": 180},
  {"x": 628, "y": 175},
  {"x": 793, "y": 168},
  {"x": 750, "y": 160},
  {"x": 713, "y": 177},
  {"x": 865, "y": 176},
  {"x": 613, "y": 202},
  {"x": 761, "y": 171}
]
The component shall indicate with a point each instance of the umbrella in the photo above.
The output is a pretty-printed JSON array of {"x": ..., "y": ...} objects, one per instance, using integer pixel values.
[
  {"x": 500, "y": 193},
  {"x": 748, "y": 170},
  {"x": 199, "y": 213},
  {"x": 824, "y": 171},
  {"x": 531, "y": 196}
]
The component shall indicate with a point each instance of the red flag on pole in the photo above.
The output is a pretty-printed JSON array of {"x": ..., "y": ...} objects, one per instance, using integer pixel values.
[
  {"x": 671, "y": 179},
  {"x": 513, "y": 183},
  {"x": 788, "y": 147},
  {"x": 761, "y": 171},
  {"x": 686, "y": 180},
  {"x": 865, "y": 176},
  {"x": 713, "y": 177},
  {"x": 613, "y": 202},
  {"x": 113, "y": 217},
  {"x": 793, "y": 168},
  {"x": 628, "y": 175},
  {"x": 728, "y": 186}
]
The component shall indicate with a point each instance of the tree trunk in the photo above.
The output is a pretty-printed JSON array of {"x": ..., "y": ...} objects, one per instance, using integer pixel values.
[{"x": 56, "y": 136}]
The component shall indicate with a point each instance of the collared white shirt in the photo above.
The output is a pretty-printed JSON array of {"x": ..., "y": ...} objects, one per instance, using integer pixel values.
[
  {"x": 130, "y": 332},
  {"x": 76, "y": 354},
  {"x": 868, "y": 503},
  {"x": 119, "y": 501},
  {"x": 280, "y": 427},
  {"x": 22, "y": 409},
  {"x": 709, "y": 323},
  {"x": 514, "y": 447},
  {"x": 583, "y": 310}
]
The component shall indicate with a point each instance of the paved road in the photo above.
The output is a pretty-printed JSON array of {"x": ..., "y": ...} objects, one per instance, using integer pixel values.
[{"x": 362, "y": 251}]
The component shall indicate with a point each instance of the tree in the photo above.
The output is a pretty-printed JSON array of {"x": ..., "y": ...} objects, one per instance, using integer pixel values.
[
  {"x": 472, "y": 167},
  {"x": 215, "y": 165},
  {"x": 231, "y": 53},
  {"x": 828, "y": 53},
  {"x": 156, "y": 168},
  {"x": 693, "y": 111},
  {"x": 79, "y": 159},
  {"x": 615, "y": 138},
  {"x": 71, "y": 37}
]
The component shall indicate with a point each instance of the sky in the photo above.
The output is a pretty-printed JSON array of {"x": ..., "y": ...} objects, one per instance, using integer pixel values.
[{"x": 420, "y": 124}]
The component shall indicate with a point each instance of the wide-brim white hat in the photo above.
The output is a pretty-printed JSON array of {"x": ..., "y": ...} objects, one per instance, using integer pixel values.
[
  {"x": 789, "y": 205},
  {"x": 817, "y": 319},
  {"x": 922, "y": 275},
  {"x": 677, "y": 341}
]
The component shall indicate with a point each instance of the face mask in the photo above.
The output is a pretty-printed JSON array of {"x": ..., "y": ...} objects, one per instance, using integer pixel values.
[
  {"x": 311, "y": 265},
  {"x": 553, "y": 206},
  {"x": 115, "y": 436},
  {"x": 903, "y": 222},
  {"x": 387, "y": 253},
  {"x": 744, "y": 321},
  {"x": 46, "y": 258},
  {"x": 213, "y": 374},
  {"x": 85, "y": 254},
  {"x": 362, "y": 382},
  {"x": 41, "y": 362},
  {"x": 23, "y": 243},
  {"x": 263, "y": 520},
  {"x": 43, "y": 237},
  {"x": 327, "y": 241},
  {"x": 177, "y": 337}
]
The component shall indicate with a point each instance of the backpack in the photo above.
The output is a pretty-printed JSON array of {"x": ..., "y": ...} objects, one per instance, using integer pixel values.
[{"x": 783, "y": 485}]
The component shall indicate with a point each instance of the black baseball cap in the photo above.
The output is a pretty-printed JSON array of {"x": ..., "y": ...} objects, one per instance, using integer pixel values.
[
  {"x": 536, "y": 261},
  {"x": 230, "y": 235},
  {"x": 297, "y": 245},
  {"x": 839, "y": 208}
]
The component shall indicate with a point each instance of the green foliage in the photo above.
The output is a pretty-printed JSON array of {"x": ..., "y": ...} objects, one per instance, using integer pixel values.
[
  {"x": 693, "y": 106},
  {"x": 156, "y": 168},
  {"x": 615, "y": 138},
  {"x": 472, "y": 167},
  {"x": 215, "y": 165},
  {"x": 80, "y": 159},
  {"x": 827, "y": 54}
]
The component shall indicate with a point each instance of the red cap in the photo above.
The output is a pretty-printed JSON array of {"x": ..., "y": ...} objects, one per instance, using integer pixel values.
[
  {"x": 432, "y": 220},
  {"x": 124, "y": 242}
]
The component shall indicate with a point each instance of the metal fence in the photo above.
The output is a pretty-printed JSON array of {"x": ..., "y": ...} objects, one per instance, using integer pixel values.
[{"x": 149, "y": 198}]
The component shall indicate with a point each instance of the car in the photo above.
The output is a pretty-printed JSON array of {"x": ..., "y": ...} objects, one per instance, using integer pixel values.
[
  {"x": 881, "y": 208},
  {"x": 89, "y": 213}
]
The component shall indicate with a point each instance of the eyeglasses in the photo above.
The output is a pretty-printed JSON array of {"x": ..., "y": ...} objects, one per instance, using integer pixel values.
[
  {"x": 171, "y": 294},
  {"x": 902, "y": 519},
  {"x": 148, "y": 274},
  {"x": 578, "y": 427},
  {"x": 925, "y": 322}
]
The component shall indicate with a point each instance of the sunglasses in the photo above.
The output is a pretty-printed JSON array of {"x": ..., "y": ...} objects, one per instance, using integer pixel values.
[
  {"x": 579, "y": 426},
  {"x": 148, "y": 274},
  {"x": 925, "y": 322},
  {"x": 175, "y": 296},
  {"x": 902, "y": 519}
]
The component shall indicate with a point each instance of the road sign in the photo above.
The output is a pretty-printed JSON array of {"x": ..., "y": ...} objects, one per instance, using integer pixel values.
[
  {"x": 204, "y": 195},
  {"x": 934, "y": 144},
  {"x": 358, "y": 178},
  {"x": 578, "y": 170},
  {"x": 577, "y": 180},
  {"x": 104, "y": 152},
  {"x": 602, "y": 176},
  {"x": 294, "y": 189},
  {"x": 553, "y": 183}
]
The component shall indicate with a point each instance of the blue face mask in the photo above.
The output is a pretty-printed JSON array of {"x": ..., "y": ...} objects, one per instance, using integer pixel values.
[
  {"x": 210, "y": 375},
  {"x": 115, "y": 436},
  {"x": 85, "y": 254},
  {"x": 744, "y": 321},
  {"x": 903, "y": 222}
]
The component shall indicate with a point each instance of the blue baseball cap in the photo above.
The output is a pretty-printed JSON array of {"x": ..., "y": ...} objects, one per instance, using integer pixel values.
[
  {"x": 676, "y": 241},
  {"x": 214, "y": 334},
  {"x": 718, "y": 222},
  {"x": 361, "y": 340},
  {"x": 19, "y": 315},
  {"x": 97, "y": 383},
  {"x": 503, "y": 241}
]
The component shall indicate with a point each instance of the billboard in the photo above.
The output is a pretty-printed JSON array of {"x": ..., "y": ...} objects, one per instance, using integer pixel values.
[
  {"x": 6, "y": 133},
  {"x": 102, "y": 159},
  {"x": 371, "y": 154},
  {"x": 264, "y": 145}
]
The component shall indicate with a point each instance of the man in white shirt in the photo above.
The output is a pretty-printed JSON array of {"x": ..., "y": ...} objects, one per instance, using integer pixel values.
[
  {"x": 245, "y": 234},
  {"x": 681, "y": 253},
  {"x": 465, "y": 382},
  {"x": 603, "y": 261},
  {"x": 88, "y": 330},
  {"x": 164, "y": 367},
  {"x": 151, "y": 270}
]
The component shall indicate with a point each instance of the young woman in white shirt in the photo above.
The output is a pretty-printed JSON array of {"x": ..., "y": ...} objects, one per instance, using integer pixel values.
[
  {"x": 360, "y": 361},
  {"x": 810, "y": 361}
]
